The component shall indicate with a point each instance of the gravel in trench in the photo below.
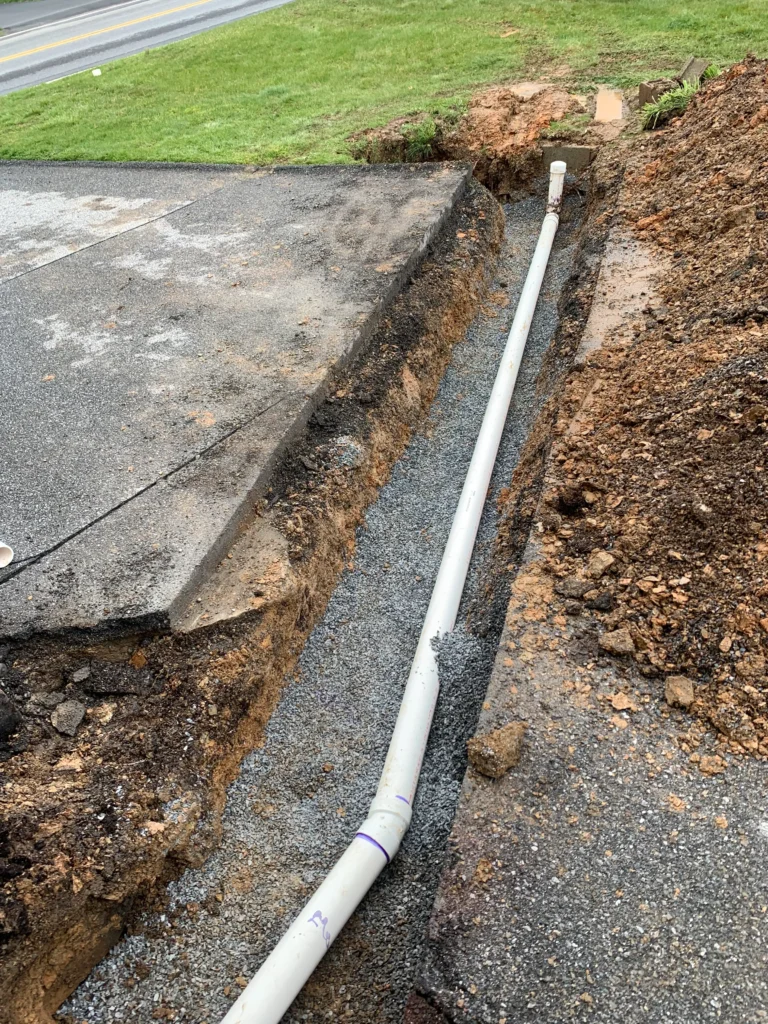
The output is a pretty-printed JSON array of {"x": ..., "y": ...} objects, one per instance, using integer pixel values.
[{"x": 299, "y": 798}]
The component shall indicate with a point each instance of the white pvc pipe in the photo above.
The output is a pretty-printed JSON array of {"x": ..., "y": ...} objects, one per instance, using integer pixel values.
[
  {"x": 6, "y": 555},
  {"x": 289, "y": 965}
]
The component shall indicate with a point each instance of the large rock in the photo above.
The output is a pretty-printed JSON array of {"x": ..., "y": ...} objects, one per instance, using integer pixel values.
[
  {"x": 68, "y": 716},
  {"x": 10, "y": 719}
]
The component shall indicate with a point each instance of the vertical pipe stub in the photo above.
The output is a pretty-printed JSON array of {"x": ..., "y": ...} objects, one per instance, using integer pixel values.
[
  {"x": 557, "y": 171},
  {"x": 6, "y": 555}
]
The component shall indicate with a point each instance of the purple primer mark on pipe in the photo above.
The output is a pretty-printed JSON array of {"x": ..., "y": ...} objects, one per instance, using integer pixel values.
[
  {"x": 404, "y": 799},
  {"x": 362, "y": 835},
  {"x": 321, "y": 922}
]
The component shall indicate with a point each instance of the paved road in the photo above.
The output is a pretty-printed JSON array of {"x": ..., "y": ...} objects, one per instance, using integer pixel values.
[
  {"x": 17, "y": 16},
  {"x": 38, "y": 49}
]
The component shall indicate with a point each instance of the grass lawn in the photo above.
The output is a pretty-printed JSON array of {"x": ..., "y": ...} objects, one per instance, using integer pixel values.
[{"x": 292, "y": 84}]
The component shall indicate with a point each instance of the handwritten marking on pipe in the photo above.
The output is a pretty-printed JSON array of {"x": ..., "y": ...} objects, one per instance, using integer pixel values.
[
  {"x": 321, "y": 922},
  {"x": 101, "y": 31}
]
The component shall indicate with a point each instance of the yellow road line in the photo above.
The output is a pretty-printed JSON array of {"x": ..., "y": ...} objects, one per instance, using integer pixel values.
[{"x": 101, "y": 31}]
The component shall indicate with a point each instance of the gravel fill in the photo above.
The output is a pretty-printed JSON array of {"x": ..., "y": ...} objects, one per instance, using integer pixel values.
[{"x": 299, "y": 798}]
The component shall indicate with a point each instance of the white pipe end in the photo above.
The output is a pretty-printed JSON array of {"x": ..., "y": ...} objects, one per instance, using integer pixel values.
[
  {"x": 556, "y": 181},
  {"x": 6, "y": 555}
]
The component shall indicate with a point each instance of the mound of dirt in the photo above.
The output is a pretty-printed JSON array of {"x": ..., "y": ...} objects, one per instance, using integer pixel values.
[
  {"x": 659, "y": 503},
  {"x": 499, "y": 133}
]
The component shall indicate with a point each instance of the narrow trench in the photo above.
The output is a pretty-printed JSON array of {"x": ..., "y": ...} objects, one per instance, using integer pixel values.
[{"x": 298, "y": 799}]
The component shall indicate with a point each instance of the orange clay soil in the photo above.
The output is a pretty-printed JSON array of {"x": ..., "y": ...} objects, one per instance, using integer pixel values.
[
  {"x": 659, "y": 499},
  {"x": 499, "y": 132}
]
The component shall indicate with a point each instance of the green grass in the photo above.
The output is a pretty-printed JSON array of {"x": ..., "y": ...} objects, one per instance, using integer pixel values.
[
  {"x": 292, "y": 84},
  {"x": 572, "y": 124},
  {"x": 675, "y": 102},
  {"x": 670, "y": 104}
]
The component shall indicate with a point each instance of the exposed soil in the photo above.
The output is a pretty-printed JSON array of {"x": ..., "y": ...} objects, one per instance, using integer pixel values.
[
  {"x": 656, "y": 521},
  {"x": 499, "y": 133},
  {"x": 92, "y": 823}
]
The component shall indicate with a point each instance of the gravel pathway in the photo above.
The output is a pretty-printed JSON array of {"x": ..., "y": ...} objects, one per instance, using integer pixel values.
[{"x": 298, "y": 799}]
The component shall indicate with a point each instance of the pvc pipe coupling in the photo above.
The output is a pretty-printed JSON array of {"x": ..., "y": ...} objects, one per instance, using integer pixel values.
[{"x": 387, "y": 823}]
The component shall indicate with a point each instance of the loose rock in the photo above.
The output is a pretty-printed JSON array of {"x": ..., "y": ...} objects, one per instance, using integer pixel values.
[
  {"x": 67, "y": 716},
  {"x": 10, "y": 719},
  {"x": 48, "y": 700},
  {"x": 599, "y": 564},
  {"x": 496, "y": 752},
  {"x": 572, "y": 587},
  {"x": 618, "y": 642},
  {"x": 678, "y": 691},
  {"x": 602, "y": 602}
]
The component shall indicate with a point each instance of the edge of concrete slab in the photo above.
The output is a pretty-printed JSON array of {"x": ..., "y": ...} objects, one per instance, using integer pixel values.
[
  {"x": 159, "y": 165},
  {"x": 161, "y": 609}
]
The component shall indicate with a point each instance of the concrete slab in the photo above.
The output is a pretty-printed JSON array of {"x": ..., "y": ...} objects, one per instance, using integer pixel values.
[
  {"x": 693, "y": 70},
  {"x": 627, "y": 275},
  {"x": 527, "y": 90},
  {"x": 155, "y": 373},
  {"x": 50, "y": 211},
  {"x": 649, "y": 92},
  {"x": 577, "y": 158},
  {"x": 605, "y": 877}
]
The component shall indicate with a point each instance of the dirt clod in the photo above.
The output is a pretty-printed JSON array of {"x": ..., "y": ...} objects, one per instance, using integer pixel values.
[
  {"x": 618, "y": 642},
  {"x": 711, "y": 764},
  {"x": 599, "y": 564},
  {"x": 678, "y": 691},
  {"x": 67, "y": 716},
  {"x": 496, "y": 752}
]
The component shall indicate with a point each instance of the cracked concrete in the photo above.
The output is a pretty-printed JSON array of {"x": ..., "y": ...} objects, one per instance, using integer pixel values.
[{"x": 168, "y": 331}]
